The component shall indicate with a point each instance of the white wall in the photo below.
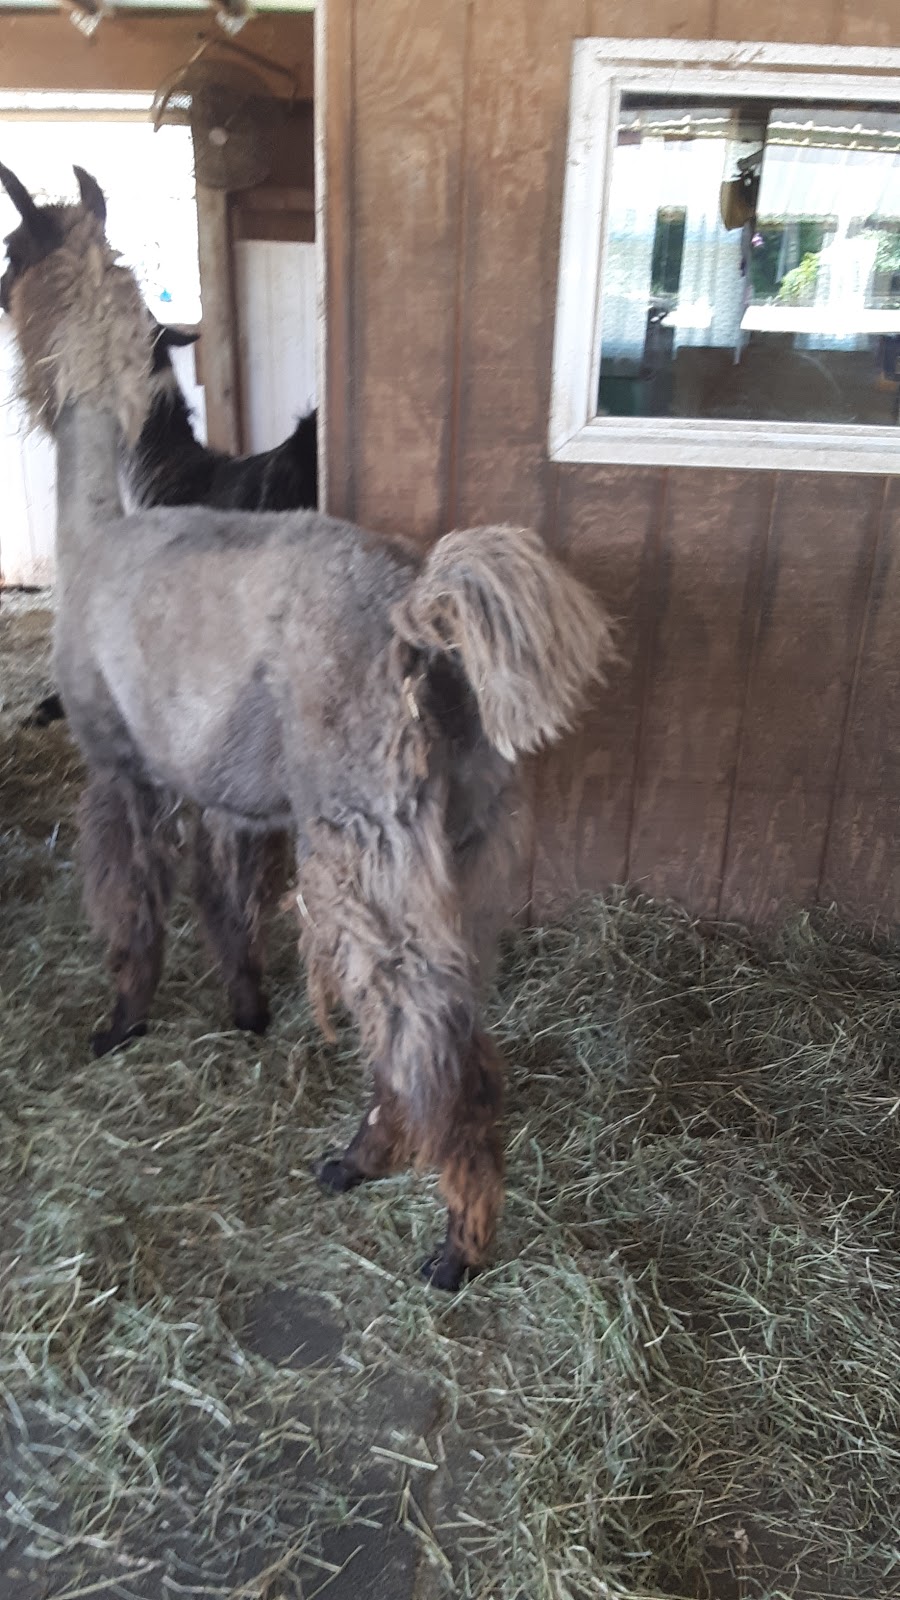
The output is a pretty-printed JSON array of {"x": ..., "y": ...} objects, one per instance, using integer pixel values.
[
  {"x": 28, "y": 476},
  {"x": 277, "y": 324},
  {"x": 149, "y": 183},
  {"x": 28, "y": 472}
]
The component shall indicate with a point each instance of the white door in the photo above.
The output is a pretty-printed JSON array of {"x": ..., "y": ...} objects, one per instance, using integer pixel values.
[
  {"x": 28, "y": 476},
  {"x": 277, "y": 320}
]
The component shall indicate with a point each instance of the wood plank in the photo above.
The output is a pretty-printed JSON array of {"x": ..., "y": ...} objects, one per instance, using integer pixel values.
[
  {"x": 707, "y": 592},
  {"x": 136, "y": 52},
  {"x": 293, "y": 155},
  {"x": 875, "y": 23},
  {"x": 776, "y": 844},
  {"x": 871, "y": 759},
  {"x": 678, "y": 839},
  {"x": 818, "y": 569},
  {"x": 862, "y": 870},
  {"x": 788, "y": 21},
  {"x": 515, "y": 154},
  {"x": 862, "y": 863},
  {"x": 271, "y": 197},
  {"x": 653, "y": 19},
  {"x": 409, "y": 90},
  {"x": 290, "y": 227},
  {"x": 335, "y": 220},
  {"x": 221, "y": 377},
  {"x": 607, "y": 524}
]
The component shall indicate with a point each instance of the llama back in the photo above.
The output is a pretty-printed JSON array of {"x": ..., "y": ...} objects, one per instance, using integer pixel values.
[{"x": 247, "y": 621}]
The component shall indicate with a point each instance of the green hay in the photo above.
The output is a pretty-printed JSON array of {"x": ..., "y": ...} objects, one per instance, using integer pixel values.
[{"x": 680, "y": 1379}]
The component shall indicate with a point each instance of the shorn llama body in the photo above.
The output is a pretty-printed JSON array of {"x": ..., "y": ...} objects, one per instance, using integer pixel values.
[{"x": 290, "y": 669}]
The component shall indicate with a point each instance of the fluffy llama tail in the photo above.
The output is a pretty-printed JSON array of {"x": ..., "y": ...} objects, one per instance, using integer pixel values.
[{"x": 530, "y": 637}]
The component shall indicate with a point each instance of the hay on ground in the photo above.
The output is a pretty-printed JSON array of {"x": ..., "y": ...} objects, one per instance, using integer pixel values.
[{"x": 681, "y": 1378}]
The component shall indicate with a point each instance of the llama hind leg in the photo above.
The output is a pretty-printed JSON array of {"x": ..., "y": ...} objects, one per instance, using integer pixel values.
[
  {"x": 231, "y": 870},
  {"x": 127, "y": 854},
  {"x": 471, "y": 1169},
  {"x": 379, "y": 1147},
  {"x": 381, "y": 931}
]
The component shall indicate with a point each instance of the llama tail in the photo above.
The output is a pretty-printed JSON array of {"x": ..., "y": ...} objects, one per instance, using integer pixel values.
[{"x": 530, "y": 637}]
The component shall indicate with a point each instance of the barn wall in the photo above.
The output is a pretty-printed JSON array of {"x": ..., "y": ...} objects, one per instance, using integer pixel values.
[{"x": 743, "y": 757}]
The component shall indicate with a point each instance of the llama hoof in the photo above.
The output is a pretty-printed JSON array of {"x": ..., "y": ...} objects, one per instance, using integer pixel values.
[
  {"x": 443, "y": 1271},
  {"x": 45, "y": 712},
  {"x": 335, "y": 1176},
  {"x": 255, "y": 1020},
  {"x": 105, "y": 1040}
]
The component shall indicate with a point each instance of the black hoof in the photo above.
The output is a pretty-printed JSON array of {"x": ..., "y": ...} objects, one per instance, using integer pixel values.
[
  {"x": 336, "y": 1177},
  {"x": 106, "y": 1040},
  {"x": 443, "y": 1271},
  {"x": 47, "y": 711},
  {"x": 255, "y": 1020}
]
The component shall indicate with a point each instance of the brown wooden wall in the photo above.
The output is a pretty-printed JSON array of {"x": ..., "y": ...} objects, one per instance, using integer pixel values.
[
  {"x": 137, "y": 50},
  {"x": 746, "y": 756}
]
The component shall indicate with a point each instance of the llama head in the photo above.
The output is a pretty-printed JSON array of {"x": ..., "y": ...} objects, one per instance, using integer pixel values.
[{"x": 83, "y": 330}]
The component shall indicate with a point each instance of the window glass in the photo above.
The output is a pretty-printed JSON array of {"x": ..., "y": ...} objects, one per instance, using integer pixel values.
[{"x": 752, "y": 262}]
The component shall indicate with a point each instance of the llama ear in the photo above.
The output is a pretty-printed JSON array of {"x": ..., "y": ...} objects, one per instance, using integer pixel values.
[
  {"x": 92, "y": 196},
  {"x": 37, "y": 221}
]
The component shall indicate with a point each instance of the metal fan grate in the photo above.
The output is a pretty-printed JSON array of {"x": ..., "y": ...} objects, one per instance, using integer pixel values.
[{"x": 233, "y": 116}]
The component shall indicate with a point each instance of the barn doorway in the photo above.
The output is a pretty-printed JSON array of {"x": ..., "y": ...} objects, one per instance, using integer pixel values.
[
  {"x": 148, "y": 180},
  {"x": 254, "y": 372}
]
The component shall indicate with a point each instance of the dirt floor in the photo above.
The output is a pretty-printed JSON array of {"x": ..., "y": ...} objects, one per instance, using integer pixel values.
[{"x": 679, "y": 1380}]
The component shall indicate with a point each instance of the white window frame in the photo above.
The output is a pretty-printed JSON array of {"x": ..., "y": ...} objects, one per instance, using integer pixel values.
[{"x": 603, "y": 70}]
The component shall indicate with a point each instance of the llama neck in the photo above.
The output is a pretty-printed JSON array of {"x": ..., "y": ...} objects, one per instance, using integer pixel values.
[{"x": 87, "y": 486}]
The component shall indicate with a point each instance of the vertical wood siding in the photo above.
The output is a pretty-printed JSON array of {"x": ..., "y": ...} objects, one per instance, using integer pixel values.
[{"x": 745, "y": 755}]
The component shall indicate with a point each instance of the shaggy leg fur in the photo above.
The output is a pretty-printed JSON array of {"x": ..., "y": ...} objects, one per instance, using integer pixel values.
[
  {"x": 232, "y": 867},
  {"x": 471, "y": 1159},
  {"x": 127, "y": 852},
  {"x": 381, "y": 931},
  {"x": 379, "y": 1146}
]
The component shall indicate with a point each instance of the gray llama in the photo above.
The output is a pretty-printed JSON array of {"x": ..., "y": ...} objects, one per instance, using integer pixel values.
[{"x": 291, "y": 670}]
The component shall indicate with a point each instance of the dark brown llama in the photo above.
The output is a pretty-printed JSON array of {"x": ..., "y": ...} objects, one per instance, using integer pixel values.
[{"x": 291, "y": 669}]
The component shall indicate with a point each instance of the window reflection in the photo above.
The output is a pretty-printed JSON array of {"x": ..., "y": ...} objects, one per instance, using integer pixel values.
[{"x": 753, "y": 263}]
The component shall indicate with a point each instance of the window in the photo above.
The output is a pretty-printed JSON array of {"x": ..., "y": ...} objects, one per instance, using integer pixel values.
[{"x": 730, "y": 265}]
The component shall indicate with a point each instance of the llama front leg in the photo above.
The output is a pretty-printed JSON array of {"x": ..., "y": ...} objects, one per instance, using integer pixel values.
[
  {"x": 379, "y": 1147},
  {"x": 231, "y": 872},
  {"x": 126, "y": 837},
  {"x": 470, "y": 1157}
]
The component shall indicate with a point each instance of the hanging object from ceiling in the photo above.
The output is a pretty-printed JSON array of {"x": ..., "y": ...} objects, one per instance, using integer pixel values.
[
  {"x": 86, "y": 15},
  {"x": 224, "y": 94}
]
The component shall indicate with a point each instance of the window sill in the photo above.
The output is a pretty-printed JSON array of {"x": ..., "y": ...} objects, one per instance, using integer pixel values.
[{"x": 693, "y": 442}]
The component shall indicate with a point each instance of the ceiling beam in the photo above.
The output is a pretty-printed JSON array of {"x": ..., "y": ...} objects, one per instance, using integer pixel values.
[{"x": 40, "y": 51}]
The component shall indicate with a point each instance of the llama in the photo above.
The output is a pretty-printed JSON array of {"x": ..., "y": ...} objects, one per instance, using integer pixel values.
[
  {"x": 170, "y": 467},
  {"x": 292, "y": 669}
]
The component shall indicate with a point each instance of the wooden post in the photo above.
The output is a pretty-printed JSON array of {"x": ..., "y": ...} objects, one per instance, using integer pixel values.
[
  {"x": 221, "y": 372},
  {"x": 334, "y": 181}
]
